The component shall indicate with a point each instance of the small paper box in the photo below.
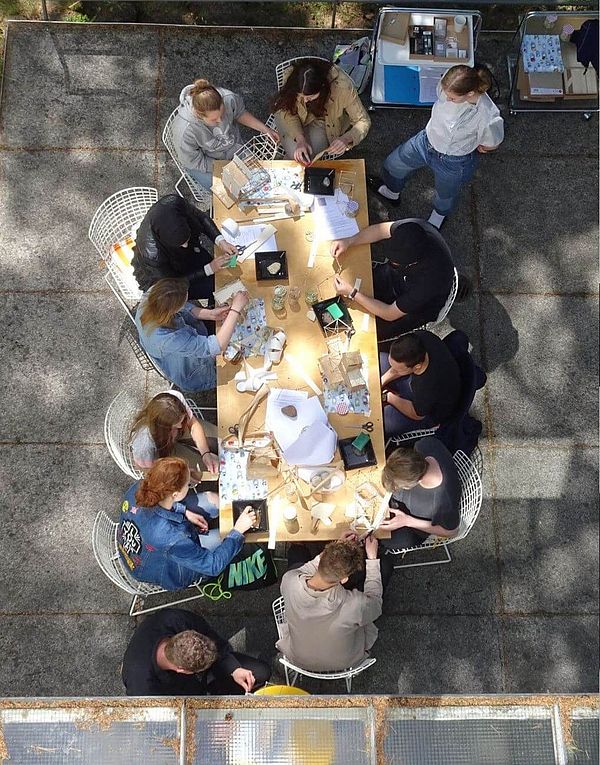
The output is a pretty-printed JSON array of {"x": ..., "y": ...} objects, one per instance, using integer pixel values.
[
  {"x": 335, "y": 311},
  {"x": 361, "y": 441}
]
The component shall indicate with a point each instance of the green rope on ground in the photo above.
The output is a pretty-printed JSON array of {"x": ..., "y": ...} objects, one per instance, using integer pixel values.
[{"x": 214, "y": 591}]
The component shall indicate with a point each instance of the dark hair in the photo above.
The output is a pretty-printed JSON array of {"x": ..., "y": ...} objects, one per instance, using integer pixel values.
[
  {"x": 403, "y": 469},
  {"x": 340, "y": 559},
  {"x": 408, "y": 349},
  {"x": 191, "y": 651},
  {"x": 462, "y": 79},
  {"x": 306, "y": 78},
  {"x": 159, "y": 415}
]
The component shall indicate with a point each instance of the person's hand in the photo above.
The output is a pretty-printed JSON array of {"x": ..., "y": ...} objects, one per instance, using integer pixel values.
[
  {"x": 217, "y": 314},
  {"x": 486, "y": 149},
  {"x": 371, "y": 545},
  {"x": 240, "y": 300},
  {"x": 228, "y": 248},
  {"x": 221, "y": 261},
  {"x": 303, "y": 152},
  {"x": 272, "y": 134},
  {"x": 244, "y": 678},
  {"x": 349, "y": 536},
  {"x": 341, "y": 286},
  {"x": 397, "y": 522},
  {"x": 246, "y": 520},
  {"x": 211, "y": 462},
  {"x": 339, "y": 247},
  {"x": 338, "y": 146},
  {"x": 197, "y": 519}
]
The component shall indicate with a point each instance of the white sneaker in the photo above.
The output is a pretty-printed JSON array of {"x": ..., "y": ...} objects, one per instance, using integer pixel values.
[{"x": 436, "y": 219}]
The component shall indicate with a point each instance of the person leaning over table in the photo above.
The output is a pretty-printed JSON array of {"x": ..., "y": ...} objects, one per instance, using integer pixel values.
[
  {"x": 168, "y": 244},
  {"x": 175, "y": 652},
  {"x": 413, "y": 285},
  {"x": 172, "y": 333},
  {"x": 167, "y": 427},
  {"x": 318, "y": 108},
  {"x": 205, "y": 128},
  {"x": 426, "y": 492},
  {"x": 163, "y": 534},
  {"x": 464, "y": 123}
]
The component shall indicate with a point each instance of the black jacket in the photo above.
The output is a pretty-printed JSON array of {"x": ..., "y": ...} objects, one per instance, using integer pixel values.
[{"x": 156, "y": 257}]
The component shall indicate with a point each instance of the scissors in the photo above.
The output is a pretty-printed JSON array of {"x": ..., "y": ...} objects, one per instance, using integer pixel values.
[
  {"x": 367, "y": 426},
  {"x": 234, "y": 430}
]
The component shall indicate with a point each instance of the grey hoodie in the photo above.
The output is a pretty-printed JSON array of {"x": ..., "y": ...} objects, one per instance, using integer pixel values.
[{"x": 197, "y": 144}]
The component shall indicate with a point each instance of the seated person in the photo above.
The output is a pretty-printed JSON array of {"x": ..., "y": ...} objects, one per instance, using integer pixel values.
[
  {"x": 413, "y": 286},
  {"x": 172, "y": 333},
  {"x": 167, "y": 427},
  {"x": 426, "y": 492},
  {"x": 318, "y": 108},
  {"x": 205, "y": 128},
  {"x": 168, "y": 245},
  {"x": 327, "y": 626},
  {"x": 420, "y": 383},
  {"x": 176, "y": 653},
  {"x": 163, "y": 533}
]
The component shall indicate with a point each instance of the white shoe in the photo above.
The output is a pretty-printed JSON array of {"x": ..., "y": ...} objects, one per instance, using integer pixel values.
[{"x": 436, "y": 219}]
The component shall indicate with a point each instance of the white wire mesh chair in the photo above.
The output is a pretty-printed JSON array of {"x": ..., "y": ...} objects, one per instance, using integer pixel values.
[
  {"x": 470, "y": 505},
  {"x": 106, "y": 552},
  {"x": 202, "y": 196},
  {"x": 114, "y": 220},
  {"x": 119, "y": 418},
  {"x": 292, "y": 671}
]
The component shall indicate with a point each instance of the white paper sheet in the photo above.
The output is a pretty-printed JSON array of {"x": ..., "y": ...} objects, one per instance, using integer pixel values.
[
  {"x": 248, "y": 235},
  {"x": 286, "y": 430},
  {"x": 315, "y": 444},
  {"x": 428, "y": 82},
  {"x": 330, "y": 221}
]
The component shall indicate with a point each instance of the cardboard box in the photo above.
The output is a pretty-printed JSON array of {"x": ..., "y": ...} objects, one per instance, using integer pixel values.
[
  {"x": 545, "y": 83},
  {"x": 580, "y": 83},
  {"x": 394, "y": 27}
]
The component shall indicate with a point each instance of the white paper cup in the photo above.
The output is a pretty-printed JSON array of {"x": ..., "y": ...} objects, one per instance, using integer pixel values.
[
  {"x": 230, "y": 227},
  {"x": 460, "y": 22},
  {"x": 290, "y": 518}
]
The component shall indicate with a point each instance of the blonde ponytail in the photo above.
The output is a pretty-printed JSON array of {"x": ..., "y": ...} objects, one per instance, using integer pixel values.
[{"x": 205, "y": 97}]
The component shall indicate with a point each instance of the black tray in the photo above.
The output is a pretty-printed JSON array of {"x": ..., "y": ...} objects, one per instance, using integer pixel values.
[
  {"x": 320, "y": 307},
  {"x": 260, "y": 505},
  {"x": 264, "y": 259},
  {"x": 352, "y": 460},
  {"x": 314, "y": 178}
]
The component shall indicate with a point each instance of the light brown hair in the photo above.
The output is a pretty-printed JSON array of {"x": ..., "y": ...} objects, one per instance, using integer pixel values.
[
  {"x": 159, "y": 415},
  {"x": 163, "y": 301},
  {"x": 205, "y": 97},
  {"x": 340, "y": 559},
  {"x": 403, "y": 470},
  {"x": 167, "y": 476},
  {"x": 191, "y": 651},
  {"x": 462, "y": 79}
]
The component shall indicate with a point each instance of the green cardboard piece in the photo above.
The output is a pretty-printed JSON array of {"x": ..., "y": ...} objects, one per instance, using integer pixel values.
[
  {"x": 361, "y": 440},
  {"x": 335, "y": 311},
  {"x": 233, "y": 262}
]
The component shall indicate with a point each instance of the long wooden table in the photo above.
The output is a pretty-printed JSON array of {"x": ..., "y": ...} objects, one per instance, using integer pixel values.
[{"x": 306, "y": 343}]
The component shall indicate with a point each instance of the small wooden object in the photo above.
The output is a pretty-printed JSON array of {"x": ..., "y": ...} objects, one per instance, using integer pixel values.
[
  {"x": 226, "y": 293},
  {"x": 290, "y": 411}
]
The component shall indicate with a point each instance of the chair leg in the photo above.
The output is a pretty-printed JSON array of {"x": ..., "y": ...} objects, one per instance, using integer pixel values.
[
  {"x": 287, "y": 677},
  {"x": 181, "y": 178},
  {"x": 447, "y": 559},
  {"x": 169, "y": 604},
  {"x": 349, "y": 684}
]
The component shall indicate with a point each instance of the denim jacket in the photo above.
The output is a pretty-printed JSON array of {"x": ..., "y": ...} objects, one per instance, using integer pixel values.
[
  {"x": 162, "y": 547},
  {"x": 184, "y": 352}
]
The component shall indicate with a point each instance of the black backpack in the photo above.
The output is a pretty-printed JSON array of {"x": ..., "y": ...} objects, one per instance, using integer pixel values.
[{"x": 586, "y": 39}]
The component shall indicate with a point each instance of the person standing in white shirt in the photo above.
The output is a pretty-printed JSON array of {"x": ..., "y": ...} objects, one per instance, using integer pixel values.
[{"x": 464, "y": 123}]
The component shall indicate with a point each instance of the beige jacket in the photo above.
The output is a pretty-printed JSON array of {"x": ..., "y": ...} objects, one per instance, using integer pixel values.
[
  {"x": 333, "y": 629},
  {"x": 343, "y": 110}
]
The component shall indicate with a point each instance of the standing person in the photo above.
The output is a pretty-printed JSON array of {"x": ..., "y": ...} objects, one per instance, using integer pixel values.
[
  {"x": 327, "y": 626},
  {"x": 168, "y": 245},
  {"x": 426, "y": 492},
  {"x": 167, "y": 427},
  {"x": 464, "y": 123},
  {"x": 205, "y": 128},
  {"x": 318, "y": 108},
  {"x": 164, "y": 535},
  {"x": 177, "y": 653},
  {"x": 172, "y": 333}
]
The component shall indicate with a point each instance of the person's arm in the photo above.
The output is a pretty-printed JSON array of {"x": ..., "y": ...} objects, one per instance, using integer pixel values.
[
  {"x": 203, "y": 221},
  {"x": 211, "y": 461},
  {"x": 386, "y": 311},
  {"x": 292, "y": 126},
  {"x": 249, "y": 120},
  {"x": 193, "y": 556},
  {"x": 359, "y": 119},
  {"x": 187, "y": 341},
  {"x": 403, "y": 405},
  {"x": 368, "y": 235},
  {"x": 190, "y": 153},
  {"x": 401, "y": 519},
  {"x": 492, "y": 135},
  {"x": 226, "y": 329}
]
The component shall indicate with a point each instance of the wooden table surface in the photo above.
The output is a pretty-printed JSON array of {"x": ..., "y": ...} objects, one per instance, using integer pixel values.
[{"x": 305, "y": 341}]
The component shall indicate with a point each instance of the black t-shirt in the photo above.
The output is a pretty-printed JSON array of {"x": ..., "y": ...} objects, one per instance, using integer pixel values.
[
  {"x": 440, "y": 505},
  {"x": 436, "y": 392},
  {"x": 141, "y": 674},
  {"x": 420, "y": 289}
]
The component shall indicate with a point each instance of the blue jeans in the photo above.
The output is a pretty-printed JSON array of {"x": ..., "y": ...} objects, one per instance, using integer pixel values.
[
  {"x": 450, "y": 172},
  {"x": 204, "y": 179}
]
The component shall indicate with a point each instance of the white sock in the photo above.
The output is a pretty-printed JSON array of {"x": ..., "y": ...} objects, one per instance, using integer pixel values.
[
  {"x": 388, "y": 193},
  {"x": 436, "y": 219}
]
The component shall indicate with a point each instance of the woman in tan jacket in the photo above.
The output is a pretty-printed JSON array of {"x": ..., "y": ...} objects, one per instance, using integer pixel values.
[{"x": 318, "y": 109}]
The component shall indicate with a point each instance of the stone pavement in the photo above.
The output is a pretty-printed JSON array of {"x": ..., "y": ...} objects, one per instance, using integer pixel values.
[{"x": 516, "y": 611}]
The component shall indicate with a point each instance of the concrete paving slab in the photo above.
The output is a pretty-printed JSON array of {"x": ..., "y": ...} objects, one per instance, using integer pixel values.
[
  {"x": 84, "y": 85},
  {"x": 514, "y": 256},
  {"x": 62, "y": 366},
  {"x": 554, "y": 654},
  {"x": 547, "y": 392},
  {"x": 51, "y": 528},
  {"x": 62, "y": 655},
  {"x": 547, "y": 519},
  {"x": 560, "y": 135},
  {"x": 50, "y": 202}
]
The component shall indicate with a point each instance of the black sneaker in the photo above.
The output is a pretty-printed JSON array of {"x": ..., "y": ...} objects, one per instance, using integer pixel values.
[{"x": 374, "y": 182}]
